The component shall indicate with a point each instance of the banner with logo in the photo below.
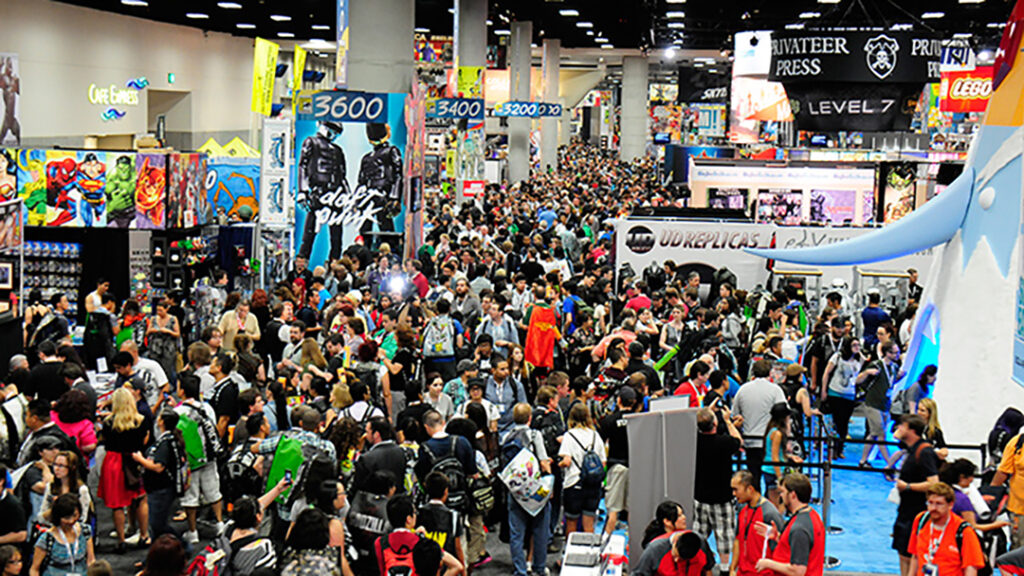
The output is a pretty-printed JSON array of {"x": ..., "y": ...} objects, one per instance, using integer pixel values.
[
  {"x": 642, "y": 242},
  {"x": 350, "y": 154},
  {"x": 276, "y": 201},
  {"x": 470, "y": 82},
  {"x": 869, "y": 107},
  {"x": 264, "y": 70},
  {"x": 852, "y": 56},
  {"x": 298, "y": 69},
  {"x": 966, "y": 91},
  {"x": 10, "y": 98}
]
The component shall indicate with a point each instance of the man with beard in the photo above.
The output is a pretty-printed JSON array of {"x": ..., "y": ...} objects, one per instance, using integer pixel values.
[
  {"x": 380, "y": 178},
  {"x": 322, "y": 179}
]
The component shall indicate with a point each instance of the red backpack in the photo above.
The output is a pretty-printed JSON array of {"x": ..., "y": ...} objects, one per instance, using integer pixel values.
[{"x": 397, "y": 561}]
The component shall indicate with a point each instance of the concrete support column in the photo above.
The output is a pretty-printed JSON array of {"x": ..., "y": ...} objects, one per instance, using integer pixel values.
[
  {"x": 549, "y": 125},
  {"x": 519, "y": 80},
  {"x": 634, "y": 108},
  {"x": 470, "y": 51},
  {"x": 375, "y": 65}
]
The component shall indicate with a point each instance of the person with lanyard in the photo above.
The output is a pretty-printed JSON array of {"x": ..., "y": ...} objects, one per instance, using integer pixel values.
[
  {"x": 749, "y": 546},
  {"x": 683, "y": 553},
  {"x": 800, "y": 548},
  {"x": 942, "y": 543},
  {"x": 67, "y": 549}
]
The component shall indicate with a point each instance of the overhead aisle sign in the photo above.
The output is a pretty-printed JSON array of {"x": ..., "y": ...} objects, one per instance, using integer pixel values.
[
  {"x": 515, "y": 109},
  {"x": 456, "y": 108}
]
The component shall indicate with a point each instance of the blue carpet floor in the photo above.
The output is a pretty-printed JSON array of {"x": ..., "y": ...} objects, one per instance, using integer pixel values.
[{"x": 861, "y": 508}]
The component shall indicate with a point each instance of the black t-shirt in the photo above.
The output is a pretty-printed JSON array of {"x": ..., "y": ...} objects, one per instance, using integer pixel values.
[
  {"x": 650, "y": 374},
  {"x": 225, "y": 400},
  {"x": 12, "y": 514},
  {"x": 335, "y": 367},
  {"x": 613, "y": 430},
  {"x": 413, "y": 412},
  {"x": 309, "y": 317},
  {"x": 920, "y": 463},
  {"x": 821, "y": 348},
  {"x": 714, "y": 468},
  {"x": 441, "y": 523},
  {"x": 710, "y": 397},
  {"x": 161, "y": 453},
  {"x": 46, "y": 382},
  {"x": 405, "y": 357}
]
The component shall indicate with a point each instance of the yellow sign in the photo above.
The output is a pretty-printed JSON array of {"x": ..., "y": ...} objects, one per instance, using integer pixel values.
[
  {"x": 298, "y": 69},
  {"x": 212, "y": 149},
  {"x": 264, "y": 68},
  {"x": 470, "y": 82}
]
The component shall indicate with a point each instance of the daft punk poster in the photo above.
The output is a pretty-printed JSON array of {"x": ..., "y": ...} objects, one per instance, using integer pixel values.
[{"x": 348, "y": 179}]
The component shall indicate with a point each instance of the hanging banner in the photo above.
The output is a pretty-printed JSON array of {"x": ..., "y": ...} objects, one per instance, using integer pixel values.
[
  {"x": 852, "y": 56},
  {"x": 349, "y": 170},
  {"x": 10, "y": 91},
  {"x": 276, "y": 201},
  {"x": 869, "y": 107},
  {"x": 298, "y": 69},
  {"x": 264, "y": 69},
  {"x": 187, "y": 204},
  {"x": 341, "y": 62},
  {"x": 966, "y": 91}
]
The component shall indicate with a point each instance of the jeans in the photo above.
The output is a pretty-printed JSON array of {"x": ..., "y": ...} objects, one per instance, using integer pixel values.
[
  {"x": 161, "y": 503},
  {"x": 842, "y": 411},
  {"x": 555, "y": 504},
  {"x": 519, "y": 522}
]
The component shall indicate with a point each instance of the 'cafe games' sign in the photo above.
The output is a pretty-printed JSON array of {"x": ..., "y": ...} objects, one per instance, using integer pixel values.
[{"x": 854, "y": 80}]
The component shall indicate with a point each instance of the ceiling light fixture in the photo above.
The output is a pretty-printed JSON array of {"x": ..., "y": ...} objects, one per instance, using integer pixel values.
[
  {"x": 902, "y": 27},
  {"x": 675, "y": 1},
  {"x": 421, "y": 30},
  {"x": 245, "y": 26},
  {"x": 933, "y": 15},
  {"x": 962, "y": 35},
  {"x": 502, "y": 32},
  {"x": 996, "y": 25},
  {"x": 670, "y": 52},
  {"x": 197, "y": 16},
  {"x": 972, "y": 1},
  {"x": 808, "y": 15},
  {"x": 584, "y": 24},
  {"x": 676, "y": 25},
  {"x": 490, "y": 22},
  {"x": 600, "y": 39},
  {"x": 280, "y": 18},
  {"x": 135, "y": 2},
  {"x": 590, "y": 32},
  {"x": 569, "y": 12},
  {"x": 229, "y": 5},
  {"x": 797, "y": 26},
  {"x": 321, "y": 27},
  {"x": 285, "y": 35},
  {"x": 828, "y": 1},
  {"x": 675, "y": 14},
  {"x": 607, "y": 46}
]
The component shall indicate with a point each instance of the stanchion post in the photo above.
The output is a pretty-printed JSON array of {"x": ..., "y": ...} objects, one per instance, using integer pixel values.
[{"x": 826, "y": 506}]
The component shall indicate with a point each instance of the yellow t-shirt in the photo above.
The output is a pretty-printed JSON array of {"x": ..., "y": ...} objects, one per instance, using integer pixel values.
[{"x": 1013, "y": 465}]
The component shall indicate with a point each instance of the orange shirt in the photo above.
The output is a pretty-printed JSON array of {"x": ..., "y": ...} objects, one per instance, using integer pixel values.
[
  {"x": 1013, "y": 465},
  {"x": 950, "y": 560}
]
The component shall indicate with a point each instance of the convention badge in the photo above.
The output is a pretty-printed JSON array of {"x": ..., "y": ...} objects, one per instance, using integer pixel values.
[{"x": 930, "y": 570}]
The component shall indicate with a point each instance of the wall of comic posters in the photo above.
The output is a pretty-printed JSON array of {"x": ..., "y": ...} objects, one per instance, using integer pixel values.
[{"x": 99, "y": 189}]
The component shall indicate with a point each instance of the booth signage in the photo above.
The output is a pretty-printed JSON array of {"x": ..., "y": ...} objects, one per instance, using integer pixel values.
[
  {"x": 113, "y": 95},
  {"x": 527, "y": 109},
  {"x": 456, "y": 108},
  {"x": 838, "y": 106},
  {"x": 473, "y": 188},
  {"x": 852, "y": 56},
  {"x": 967, "y": 91},
  {"x": 346, "y": 106}
]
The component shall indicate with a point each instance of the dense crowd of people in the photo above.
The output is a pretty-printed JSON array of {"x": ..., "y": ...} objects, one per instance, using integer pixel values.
[{"x": 376, "y": 415}]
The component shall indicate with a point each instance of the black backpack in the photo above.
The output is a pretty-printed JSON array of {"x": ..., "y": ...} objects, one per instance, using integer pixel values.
[{"x": 450, "y": 465}]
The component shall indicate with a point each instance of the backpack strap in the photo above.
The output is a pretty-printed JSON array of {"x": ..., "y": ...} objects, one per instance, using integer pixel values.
[
  {"x": 920, "y": 447},
  {"x": 1019, "y": 445}
]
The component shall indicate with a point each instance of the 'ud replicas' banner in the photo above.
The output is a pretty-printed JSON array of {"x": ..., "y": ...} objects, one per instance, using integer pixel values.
[{"x": 966, "y": 91}]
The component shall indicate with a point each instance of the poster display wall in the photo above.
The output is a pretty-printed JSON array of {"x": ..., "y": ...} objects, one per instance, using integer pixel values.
[
  {"x": 10, "y": 91},
  {"x": 349, "y": 167}
]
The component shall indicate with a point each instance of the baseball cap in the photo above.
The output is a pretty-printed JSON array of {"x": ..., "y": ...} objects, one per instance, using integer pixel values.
[
  {"x": 476, "y": 383},
  {"x": 466, "y": 365}
]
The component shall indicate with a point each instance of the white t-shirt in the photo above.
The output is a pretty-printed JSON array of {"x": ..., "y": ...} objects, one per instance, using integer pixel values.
[
  {"x": 575, "y": 444},
  {"x": 493, "y": 414},
  {"x": 358, "y": 412}
]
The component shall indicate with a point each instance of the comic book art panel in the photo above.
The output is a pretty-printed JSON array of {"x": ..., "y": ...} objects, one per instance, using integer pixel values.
[
  {"x": 120, "y": 190},
  {"x": 151, "y": 191},
  {"x": 232, "y": 189}
]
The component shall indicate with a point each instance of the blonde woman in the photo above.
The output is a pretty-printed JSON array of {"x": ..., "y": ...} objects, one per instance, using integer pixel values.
[
  {"x": 580, "y": 499},
  {"x": 929, "y": 410},
  {"x": 124, "y": 432}
]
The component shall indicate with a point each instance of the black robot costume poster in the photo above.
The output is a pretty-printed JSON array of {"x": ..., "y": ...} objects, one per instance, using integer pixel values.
[{"x": 348, "y": 173}]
